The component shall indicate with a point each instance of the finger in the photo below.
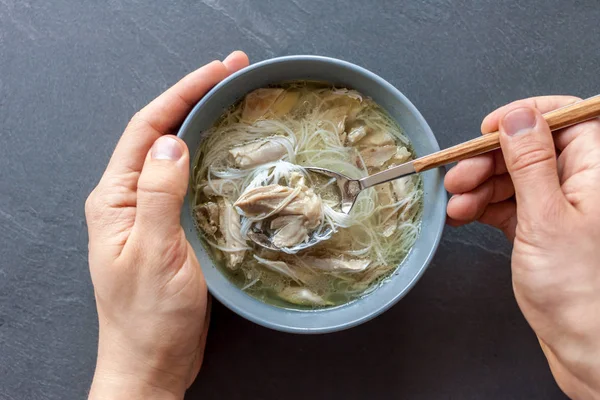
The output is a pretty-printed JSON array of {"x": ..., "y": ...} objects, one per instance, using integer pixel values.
[
  {"x": 469, "y": 173},
  {"x": 472, "y": 172},
  {"x": 544, "y": 104},
  {"x": 579, "y": 158},
  {"x": 161, "y": 188},
  {"x": 565, "y": 136},
  {"x": 161, "y": 116},
  {"x": 503, "y": 216},
  {"x": 236, "y": 61},
  {"x": 530, "y": 157},
  {"x": 467, "y": 207},
  {"x": 165, "y": 114}
]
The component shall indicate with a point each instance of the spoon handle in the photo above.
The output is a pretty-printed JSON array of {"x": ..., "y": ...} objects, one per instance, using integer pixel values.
[{"x": 560, "y": 118}]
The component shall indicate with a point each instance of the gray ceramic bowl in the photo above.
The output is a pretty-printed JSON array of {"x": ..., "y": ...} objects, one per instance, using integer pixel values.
[{"x": 399, "y": 107}]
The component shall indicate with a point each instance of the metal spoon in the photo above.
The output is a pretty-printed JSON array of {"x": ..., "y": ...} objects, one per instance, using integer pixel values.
[
  {"x": 350, "y": 188},
  {"x": 265, "y": 241}
]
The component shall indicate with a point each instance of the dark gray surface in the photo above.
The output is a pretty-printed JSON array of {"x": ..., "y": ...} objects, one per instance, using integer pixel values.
[{"x": 73, "y": 72}]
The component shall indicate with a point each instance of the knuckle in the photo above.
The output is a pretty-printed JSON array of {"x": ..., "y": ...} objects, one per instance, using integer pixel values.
[
  {"x": 139, "y": 122},
  {"x": 162, "y": 181},
  {"x": 135, "y": 119},
  {"x": 135, "y": 122},
  {"x": 530, "y": 156},
  {"x": 92, "y": 206},
  {"x": 104, "y": 204},
  {"x": 574, "y": 99},
  {"x": 156, "y": 198},
  {"x": 155, "y": 190}
]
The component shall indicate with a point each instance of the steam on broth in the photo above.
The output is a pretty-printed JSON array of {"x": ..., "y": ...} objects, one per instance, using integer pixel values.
[{"x": 248, "y": 174}]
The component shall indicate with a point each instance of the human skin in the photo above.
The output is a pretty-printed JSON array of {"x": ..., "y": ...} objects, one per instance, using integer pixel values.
[
  {"x": 548, "y": 207},
  {"x": 152, "y": 299},
  {"x": 150, "y": 293}
]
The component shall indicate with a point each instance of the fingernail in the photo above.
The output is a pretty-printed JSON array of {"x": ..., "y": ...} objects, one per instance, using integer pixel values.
[
  {"x": 229, "y": 57},
  {"x": 520, "y": 120},
  {"x": 453, "y": 198},
  {"x": 166, "y": 148}
]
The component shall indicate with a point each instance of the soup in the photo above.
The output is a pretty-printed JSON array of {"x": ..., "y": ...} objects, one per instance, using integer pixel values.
[{"x": 248, "y": 175}]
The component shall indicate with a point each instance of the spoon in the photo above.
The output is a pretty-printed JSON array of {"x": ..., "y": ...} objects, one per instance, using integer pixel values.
[{"x": 563, "y": 117}]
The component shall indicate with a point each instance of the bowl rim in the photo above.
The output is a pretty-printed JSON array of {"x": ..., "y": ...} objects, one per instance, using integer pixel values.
[{"x": 439, "y": 229}]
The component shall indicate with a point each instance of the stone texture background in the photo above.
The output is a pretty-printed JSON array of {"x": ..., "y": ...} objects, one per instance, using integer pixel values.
[{"x": 72, "y": 73}]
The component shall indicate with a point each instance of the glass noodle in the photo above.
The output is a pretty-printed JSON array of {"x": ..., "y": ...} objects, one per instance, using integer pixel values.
[{"x": 256, "y": 153}]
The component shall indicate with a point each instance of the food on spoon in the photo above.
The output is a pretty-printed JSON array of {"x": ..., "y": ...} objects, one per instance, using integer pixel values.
[{"x": 249, "y": 176}]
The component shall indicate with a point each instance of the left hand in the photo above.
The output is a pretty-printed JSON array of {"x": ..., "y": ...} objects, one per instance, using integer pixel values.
[{"x": 150, "y": 292}]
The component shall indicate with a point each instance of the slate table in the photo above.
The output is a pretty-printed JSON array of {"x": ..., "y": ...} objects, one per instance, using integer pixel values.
[{"x": 72, "y": 73}]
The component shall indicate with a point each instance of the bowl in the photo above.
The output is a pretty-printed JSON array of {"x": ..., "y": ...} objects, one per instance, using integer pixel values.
[{"x": 345, "y": 74}]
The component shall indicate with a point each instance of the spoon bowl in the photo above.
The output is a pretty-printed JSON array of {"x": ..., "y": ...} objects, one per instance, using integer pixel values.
[
  {"x": 264, "y": 241},
  {"x": 349, "y": 188}
]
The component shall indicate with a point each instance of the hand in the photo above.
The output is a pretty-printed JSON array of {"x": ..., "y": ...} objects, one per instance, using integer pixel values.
[
  {"x": 550, "y": 208},
  {"x": 150, "y": 292}
]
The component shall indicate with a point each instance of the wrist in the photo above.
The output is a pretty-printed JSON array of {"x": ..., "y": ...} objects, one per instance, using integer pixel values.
[
  {"x": 575, "y": 373},
  {"x": 116, "y": 386},
  {"x": 124, "y": 374}
]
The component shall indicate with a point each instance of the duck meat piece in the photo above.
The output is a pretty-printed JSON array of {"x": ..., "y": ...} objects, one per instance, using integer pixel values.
[
  {"x": 290, "y": 230},
  {"x": 278, "y": 266},
  {"x": 350, "y": 100},
  {"x": 385, "y": 197},
  {"x": 336, "y": 264},
  {"x": 357, "y": 133},
  {"x": 256, "y": 153},
  {"x": 402, "y": 155},
  {"x": 378, "y": 156},
  {"x": 402, "y": 190},
  {"x": 277, "y": 199},
  {"x": 378, "y": 138},
  {"x": 334, "y": 118},
  {"x": 263, "y": 103},
  {"x": 285, "y": 103},
  {"x": 230, "y": 227},
  {"x": 307, "y": 204},
  {"x": 302, "y": 296},
  {"x": 258, "y": 102},
  {"x": 207, "y": 216},
  {"x": 403, "y": 186},
  {"x": 265, "y": 199}
]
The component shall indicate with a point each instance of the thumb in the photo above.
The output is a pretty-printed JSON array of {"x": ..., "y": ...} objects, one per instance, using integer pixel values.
[
  {"x": 530, "y": 157},
  {"x": 161, "y": 188}
]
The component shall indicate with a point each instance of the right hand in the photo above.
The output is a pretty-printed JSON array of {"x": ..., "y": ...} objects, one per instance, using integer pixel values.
[{"x": 554, "y": 221}]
